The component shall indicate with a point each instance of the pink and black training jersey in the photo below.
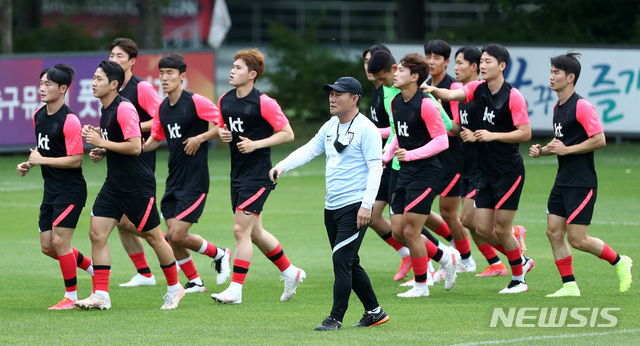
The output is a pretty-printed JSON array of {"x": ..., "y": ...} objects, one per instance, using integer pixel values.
[
  {"x": 574, "y": 122},
  {"x": 466, "y": 114},
  {"x": 255, "y": 116},
  {"x": 188, "y": 117},
  {"x": 417, "y": 122},
  {"x": 60, "y": 135},
  {"x": 451, "y": 158},
  {"x": 127, "y": 175},
  {"x": 379, "y": 115},
  {"x": 500, "y": 112}
]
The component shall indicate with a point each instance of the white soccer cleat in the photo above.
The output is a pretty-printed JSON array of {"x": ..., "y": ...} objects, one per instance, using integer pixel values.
[
  {"x": 291, "y": 283},
  {"x": 466, "y": 266},
  {"x": 412, "y": 282},
  {"x": 515, "y": 286},
  {"x": 440, "y": 274},
  {"x": 418, "y": 290},
  {"x": 172, "y": 299},
  {"x": 228, "y": 296},
  {"x": 450, "y": 268},
  {"x": 528, "y": 265},
  {"x": 95, "y": 301},
  {"x": 140, "y": 280},
  {"x": 192, "y": 287},
  {"x": 223, "y": 267}
]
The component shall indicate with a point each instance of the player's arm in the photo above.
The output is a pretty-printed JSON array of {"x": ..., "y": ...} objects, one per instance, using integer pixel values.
[
  {"x": 594, "y": 142},
  {"x": 446, "y": 94},
  {"x": 72, "y": 132},
  {"x": 192, "y": 144},
  {"x": 23, "y": 168},
  {"x": 301, "y": 155},
  {"x": 273, "y": 114},
  {"x": 149, "y": 101},
  {"x": 522, "y": 133},
  {"x": 208, "y": 111},
  {"x": 72, "y": 161},
  {"x": 156, "y": 137}
]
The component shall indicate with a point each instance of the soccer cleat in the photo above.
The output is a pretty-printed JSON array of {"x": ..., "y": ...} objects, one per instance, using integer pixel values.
[
  {"x": 228, "y": 296},
  {"x": 64, "y": 304},
  {"x": 330, "y": 323},
  {"x": 140, "y": 280},
  {"x": 515, "y": 286},
  {"x": 192, "y": 287},
  {"x": 405, "y": 266},
  {"x": 494, "y": 270},
  {"x": 370, "y": 320},
  {"x": 520, "y": 233},
  {"x": 450, "y": 268},
  {"x": 412, "y": 282},
  {"x": 623, "y": 269},
  {"x": 429, "y": 279},
  {"x": 416, "y": 291},
  {"x": 172, "y": 299},
  {"x": 466, "y": 266},
  {"x": 95, "y": 301},
  {"x": 223, "y": 267},
  {"x": 439, "y": 275},
  {"x": 569, "y": 289},
  {"x": 528, "y": 265},
  {"x": 291, "y": 283}
]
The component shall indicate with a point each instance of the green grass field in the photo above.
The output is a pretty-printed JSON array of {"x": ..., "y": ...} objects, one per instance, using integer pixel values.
[{"x": 30, "y": 282}]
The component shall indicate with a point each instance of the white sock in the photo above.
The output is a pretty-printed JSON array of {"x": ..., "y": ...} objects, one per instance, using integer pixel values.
[
  {"x": 90, "y": 269},
  {"x": 518, "y": 277},
  {"x": 197, "y": 281},
  {"x": 183, "y": 261},
  {"x": 446, "y": 257},
  {"x": 235, "y": 286},
  {"x": 290, "y": 271},
  {"x": 430, "y": 268},
  {"x": 203, "y": 248},
  {"x": 73, "y": 295},
  {"x": 375, "y": 311},
  {"x": 442, "y": 247},
  {"x": 403, "y": 252},
  {"x": 173, "y": 288},
  {"x": 102, "y": 294},
  {"x": 467, "y": 260}
]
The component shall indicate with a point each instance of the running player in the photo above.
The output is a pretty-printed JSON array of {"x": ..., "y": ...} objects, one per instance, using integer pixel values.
[
  {"x": 577, "y": 134},
  {"x": 420, "y": 135},
  {"x": 186, "y": 118},
  {"x": 252, "y": 123},
  {"x": 145, "y": 99},
  {"x": 129, "y": 189},
  {"x": 59, "y": 152},
  {"x": 505, "y": 123}
]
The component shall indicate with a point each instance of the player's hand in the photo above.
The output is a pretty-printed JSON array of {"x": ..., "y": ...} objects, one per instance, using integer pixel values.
[
  {"x": 557, "y": 147},
  {"x": 467, "y": 135},
  {"x": 400, "y": 154},
  {"x": 97, "y": 154},
  {"x": 246, "y": 145},
  {"x": 224, "y": 133},
  {"x": 427, "y": 88},
  {"x": 364, "y": 217},
  {"x": 23, "y": 168},
  {"x": 485, "y": 136},
  {"x": 35, "y": 158},
  {"x": 275, "y": 173},
  {"x": 191, "y": 145},
  {"x": 535, "y": 150},
  {"x": 88, "y": 128},
  {"x": 92, "y": 136}
]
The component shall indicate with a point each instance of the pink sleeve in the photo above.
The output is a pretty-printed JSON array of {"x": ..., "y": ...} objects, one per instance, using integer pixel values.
[
  {"x": 518, "y": 108},
  {"x": 272, "y": 113},
  {"x": 470, "y": 89},
  {"x": 433, "y": 147},
  {"x": 73, "y": 135},
  {"x": 157, "y": 131},
  {"x": 385, "y": 132},
  {"x": 431, "y": 115},
  {"x": 588, "y": 117},
  {"x": 454, "y": 104},
  {"x": 206, "y": 109},
  {"x": 221, "y": 120},
  {"x": 128, "y": 120},
  {"x": 391, "y": 150},
  {"x": 148, "y": 98},
  {"x": 34, "y": 118}
]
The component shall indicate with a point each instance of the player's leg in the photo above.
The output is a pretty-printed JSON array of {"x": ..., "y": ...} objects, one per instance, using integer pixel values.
[
  {"x": 412, "y": 234},
  {"x": 132, "y": 244},
  {"x": 556, "y": 233},
  {"x": 439, "y": 226},
  {"x": 496, "y": 267},
  {"x": 155, "y": 239},
  {"x": 449, "y": 210}
]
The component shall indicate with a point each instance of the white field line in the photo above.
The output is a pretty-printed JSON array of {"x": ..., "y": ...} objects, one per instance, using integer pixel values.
[{"x": 547, "y": 337}]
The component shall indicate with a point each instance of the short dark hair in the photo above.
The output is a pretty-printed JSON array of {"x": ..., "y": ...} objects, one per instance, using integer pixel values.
[
  {"x": 380, "y": 61},
  {"x": 471, "y": 54},
  {"x": 173, "y": 61},
  {"x": 127, "y": 45},
  {"x": 497, "y": 51},
  {"x": 113, "y": 71},
  {"x": 375, "y": 48},
  {"x": 61, "y": 74},
  {"x": 416, "y": 63},
  {"x": 568, "y": 63},
  {"x": 439, "y": 47}
]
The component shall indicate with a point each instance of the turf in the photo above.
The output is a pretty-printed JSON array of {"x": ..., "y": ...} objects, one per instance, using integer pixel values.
[{"x": 30, "y": 282}]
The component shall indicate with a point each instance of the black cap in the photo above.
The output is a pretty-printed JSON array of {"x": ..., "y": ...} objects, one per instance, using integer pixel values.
[{"x": 345, "y": 84}]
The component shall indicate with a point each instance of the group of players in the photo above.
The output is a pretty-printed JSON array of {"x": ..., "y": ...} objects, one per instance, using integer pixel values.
[{"x": 456, "y": 138}]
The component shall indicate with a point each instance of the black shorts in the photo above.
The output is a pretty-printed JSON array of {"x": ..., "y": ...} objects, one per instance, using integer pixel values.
[
  {"x": 452, "y": 185},
  {"x": 59, "y": 215},
  {"x": 499, "y": 192},
  {"x": 185, "y": 206},
  {"x": 383, "y": 191},
  {"x": 414, "y": 196},
  {"x": 575, "y": 204},
  {"x": 249, "y": 199},
  {"x": 468, "y": 185},
  {"x": 141, "y": 211}
]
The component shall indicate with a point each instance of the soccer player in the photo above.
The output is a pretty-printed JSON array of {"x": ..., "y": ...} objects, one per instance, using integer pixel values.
[
  {"x": 59, "y": 152},
  {"x": 437, "y": 53},
  {"x": 353, "y": 149},
  {"x": 577, "y": 134},
  {"x": 145, "y": 99},
  {"x": 504, "y": 124},
  {"x": 380, "y": 118},
  {"x": 129, "y": 189},
  {"x": 187, "y": 118},
  {"x": 420, "y": 135},
  {"x": 252, "y": 123}
]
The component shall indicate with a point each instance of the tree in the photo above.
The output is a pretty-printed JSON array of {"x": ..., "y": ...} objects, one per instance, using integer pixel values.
[
  {"x": 149, "y": 33},
  {"x": 7, "y": 27},
  {"x": 411, "y": 20}
]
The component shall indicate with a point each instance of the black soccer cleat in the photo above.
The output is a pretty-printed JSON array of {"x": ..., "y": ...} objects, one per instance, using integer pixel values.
[
  {"x": 370, "y": 320},
  {"x": 330, "y": 323}
]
